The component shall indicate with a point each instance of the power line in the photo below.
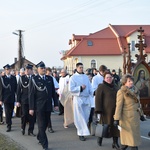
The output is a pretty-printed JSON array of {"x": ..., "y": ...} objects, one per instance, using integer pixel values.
[
  {"x": 90, "y": 8},
  {"x": 86, "y": 6},
  {"x": 80, "y": 10},
  {"x": 59, "y": 17}
]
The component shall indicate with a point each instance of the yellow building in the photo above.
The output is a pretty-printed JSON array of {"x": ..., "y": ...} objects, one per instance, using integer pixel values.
[{"x": 105, "y": 47}]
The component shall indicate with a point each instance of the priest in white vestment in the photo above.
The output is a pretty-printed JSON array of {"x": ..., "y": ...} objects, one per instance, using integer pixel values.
[
  {"x": 80, "y": 88},
  {"x": 63, "y": 81}
]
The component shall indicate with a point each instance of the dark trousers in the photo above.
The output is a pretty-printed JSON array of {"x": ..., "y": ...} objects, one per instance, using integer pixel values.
[
  {"x": 26, "y": 117},
  {"x": 42, "y": 121},
  {"x": 1, "y": 113},
  {"x": 91, "y": 116},
  {"x": 9, "y": 107},
  {"x": 61, "y": 108},
  {"x": 50, "y": 122}
]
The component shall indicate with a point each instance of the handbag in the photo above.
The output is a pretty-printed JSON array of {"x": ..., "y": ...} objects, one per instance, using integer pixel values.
[
  {"x": 93, "y": 128},
  {"x": 100, "y": 130}
]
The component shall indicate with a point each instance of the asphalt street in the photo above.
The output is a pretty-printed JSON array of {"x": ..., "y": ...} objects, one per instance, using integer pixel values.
[{"x": 66, "y": 139}]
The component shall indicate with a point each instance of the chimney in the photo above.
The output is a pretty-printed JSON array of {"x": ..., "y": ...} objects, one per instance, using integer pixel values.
[{"x": 15, "y": 60}]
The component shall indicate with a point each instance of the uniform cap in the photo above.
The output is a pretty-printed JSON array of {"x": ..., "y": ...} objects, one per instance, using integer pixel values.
[
  {"x": 29, "y": 66},
  {"x": 7, "y": 66},
  {"x": 40, "y": 64}
]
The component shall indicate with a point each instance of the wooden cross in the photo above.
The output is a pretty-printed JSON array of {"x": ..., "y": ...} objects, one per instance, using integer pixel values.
[
  {"x": 141, "y": 46},
  {"x": 129, "y": 65},
  {"x": 124, "y": 61}
]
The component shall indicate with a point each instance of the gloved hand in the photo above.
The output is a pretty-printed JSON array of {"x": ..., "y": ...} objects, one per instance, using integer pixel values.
[
  {"x": 142, "y": 118},
  {"x": 116, "y": 123}
]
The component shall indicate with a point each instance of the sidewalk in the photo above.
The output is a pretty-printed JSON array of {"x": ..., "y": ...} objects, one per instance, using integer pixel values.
[{"x": 66, "y": 139}]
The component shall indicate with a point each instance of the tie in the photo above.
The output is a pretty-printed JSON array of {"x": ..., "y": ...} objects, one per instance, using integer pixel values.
[{"x": 43, "y": 78}]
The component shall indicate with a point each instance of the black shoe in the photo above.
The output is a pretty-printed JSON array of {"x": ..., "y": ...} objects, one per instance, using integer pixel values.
[
  {"x": 31, "y": 133},
  {"x": 50, "y": 130},
  {"x": 46, "y": 148},
  {"x": 115, "y": 143},
  {"x": 61, "y": 113},
  {"x": 8, "y": 129},
  {"x": 82, "y": 138},
  {"x": 99, "y": 141},
  {"x": 123, "y": 147},
  {"x": 1, "y": 123},
  {"x": 23, "y": 131},
  {"x": 134, "y": 148}
]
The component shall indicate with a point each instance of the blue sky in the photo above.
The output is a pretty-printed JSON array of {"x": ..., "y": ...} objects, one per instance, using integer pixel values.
[{"x": 49, "y": 24}]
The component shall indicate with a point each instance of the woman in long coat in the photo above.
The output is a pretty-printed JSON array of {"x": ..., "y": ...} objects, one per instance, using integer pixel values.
[
  {"x": 127, "y": 113},
  {"x": 105, "y": 104}
]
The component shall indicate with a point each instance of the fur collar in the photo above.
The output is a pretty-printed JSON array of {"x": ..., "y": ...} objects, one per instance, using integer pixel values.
[{"x": 133, "y": 94}]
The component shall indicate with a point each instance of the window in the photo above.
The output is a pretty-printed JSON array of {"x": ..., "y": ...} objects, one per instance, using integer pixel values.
[
  {"x": 93, "y": 64},
  {"x": 133, "y": 45},
  {"x": 89, "y": 43}
]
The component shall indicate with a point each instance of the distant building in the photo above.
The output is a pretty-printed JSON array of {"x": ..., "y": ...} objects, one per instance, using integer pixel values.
[
  {"x": 25, "y": 61},
  {"x": 104, "y": 47}
]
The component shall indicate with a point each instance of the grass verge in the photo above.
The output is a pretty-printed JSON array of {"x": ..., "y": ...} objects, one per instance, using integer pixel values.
[{"x": 8, "y": 144}]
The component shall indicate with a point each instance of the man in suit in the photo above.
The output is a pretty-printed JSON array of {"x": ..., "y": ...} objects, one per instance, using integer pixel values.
[
  {"x": 23, "y": 101},
  {"x": 9, "y": 86},
  {"x": 41, "y": 93}
]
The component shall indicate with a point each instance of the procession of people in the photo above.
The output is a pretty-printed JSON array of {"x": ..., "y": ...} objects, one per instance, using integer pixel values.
[{"x": 79, "y": 97}]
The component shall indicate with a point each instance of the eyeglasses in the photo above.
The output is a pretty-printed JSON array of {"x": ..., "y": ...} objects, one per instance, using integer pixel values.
[{"x": 42, "y": 67}]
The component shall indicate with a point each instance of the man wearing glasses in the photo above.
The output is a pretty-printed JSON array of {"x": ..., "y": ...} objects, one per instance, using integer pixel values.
[{"x": 41, "y": 93}]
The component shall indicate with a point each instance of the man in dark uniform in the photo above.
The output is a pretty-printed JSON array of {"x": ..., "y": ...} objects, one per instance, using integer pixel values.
[
  {"x": 9, "y": 86},
  {"x": 23, "y": 101},
  {"x": 41, "y": 93},
  {"x": 1, "y": 108}
]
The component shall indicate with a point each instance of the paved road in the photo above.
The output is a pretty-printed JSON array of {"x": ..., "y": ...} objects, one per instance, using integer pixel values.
[{"x": 66, "y": 139}]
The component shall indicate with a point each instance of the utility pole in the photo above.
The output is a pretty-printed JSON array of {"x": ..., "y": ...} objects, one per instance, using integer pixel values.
[{"x": 20, "y": 49}]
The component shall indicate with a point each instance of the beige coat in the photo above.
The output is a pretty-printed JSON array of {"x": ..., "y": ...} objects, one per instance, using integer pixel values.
[{"x": 126, "y": 112}]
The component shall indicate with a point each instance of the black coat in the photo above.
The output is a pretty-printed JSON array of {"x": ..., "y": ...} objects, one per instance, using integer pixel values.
[
  {"x": 41, "y": 94},
  {"x": 105, "y": 104},
  {"x": 22, "y": 90},
  {"x": 9, "y": 89},
  {"x": 0, "y": 89}
]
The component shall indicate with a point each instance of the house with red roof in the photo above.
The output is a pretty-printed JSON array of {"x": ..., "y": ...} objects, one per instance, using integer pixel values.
[{"x": 105, "y": 47}]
